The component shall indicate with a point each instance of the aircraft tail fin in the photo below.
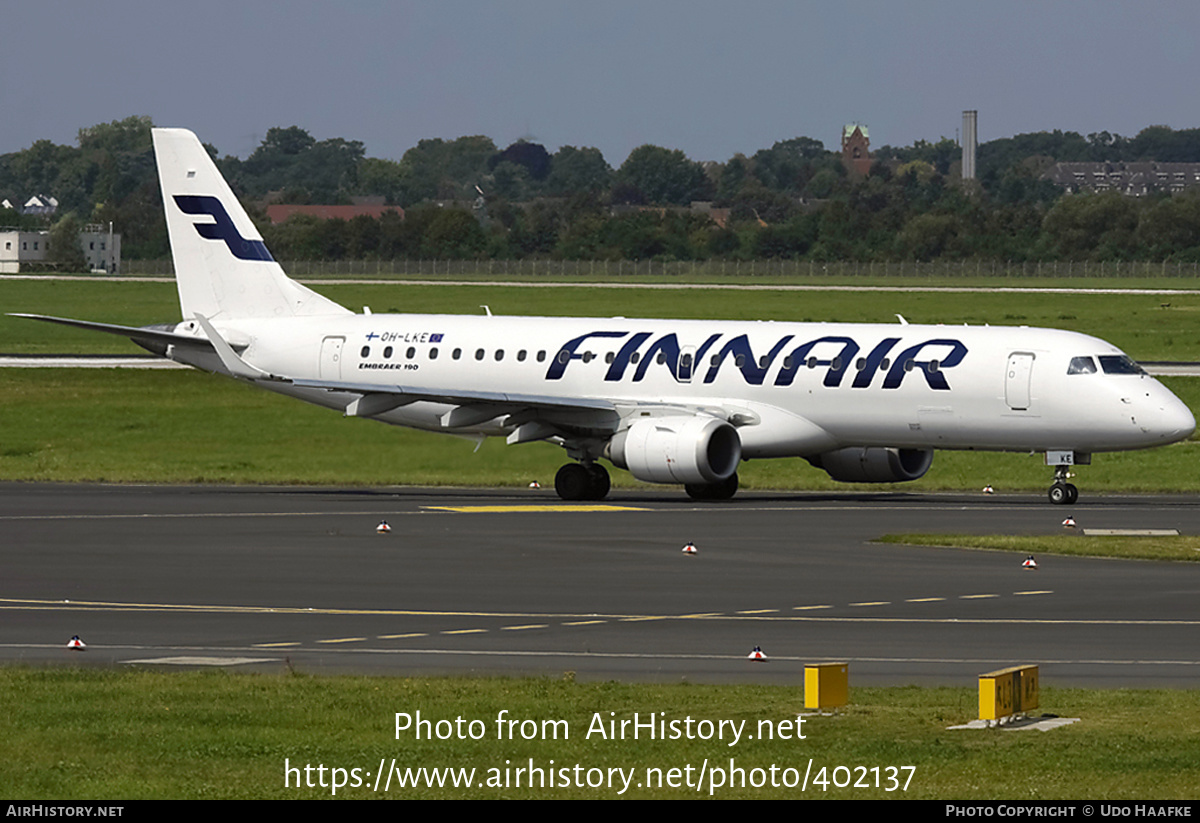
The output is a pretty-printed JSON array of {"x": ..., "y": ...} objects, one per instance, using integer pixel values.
[{"x": 222, "y": 268}]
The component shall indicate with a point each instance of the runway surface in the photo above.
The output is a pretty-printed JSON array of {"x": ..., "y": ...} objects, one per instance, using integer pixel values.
[{"x": 515, "y": 582}]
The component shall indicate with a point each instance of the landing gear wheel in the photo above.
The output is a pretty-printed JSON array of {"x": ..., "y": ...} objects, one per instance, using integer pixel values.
[
  {"x": 573, "y": 482},
  {"x": 1063, "y": 494},
  {"x": 721, "y": 490},
  {"x": 599, "y": 482},
  {"x": 576, "y": 481}
]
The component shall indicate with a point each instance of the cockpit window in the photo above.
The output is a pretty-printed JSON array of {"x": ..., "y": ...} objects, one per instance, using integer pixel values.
[
  {"x": 1119, "y": 364},
  {"x": 1082, "y": 365}
]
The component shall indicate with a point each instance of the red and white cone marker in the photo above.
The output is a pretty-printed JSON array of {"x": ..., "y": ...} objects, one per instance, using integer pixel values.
[
  {"x": 383, "y": 527},
  {"x": 1029, "y": 563},
  {"x": 988, "y": 489},
  {"x": 1069, "y": 523},
  {"x": 757, "y": 654},
  {"x": 690, "y": 548},
  {"x": 76, "y": 644},
  {"x": 535, "y": 485}
]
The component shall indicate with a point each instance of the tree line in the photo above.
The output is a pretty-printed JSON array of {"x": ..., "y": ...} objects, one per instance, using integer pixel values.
[{"x": 470, "y": 199}]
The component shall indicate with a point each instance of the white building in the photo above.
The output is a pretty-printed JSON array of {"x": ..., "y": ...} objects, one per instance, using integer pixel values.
[
  {"x": 101, "y": 248},
  {"x": 17, "y": 247},
  {"x": 30, "y": 249}
]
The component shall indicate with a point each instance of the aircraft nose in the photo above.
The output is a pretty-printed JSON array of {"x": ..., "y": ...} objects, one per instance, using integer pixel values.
[{"x": 1178, "y": 423}]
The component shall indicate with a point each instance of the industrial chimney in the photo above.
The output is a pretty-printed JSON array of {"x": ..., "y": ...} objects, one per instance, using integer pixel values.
[{"x": 969, "y": 141}]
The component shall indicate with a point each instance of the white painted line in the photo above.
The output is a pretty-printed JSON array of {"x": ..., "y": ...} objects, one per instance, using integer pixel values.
[
  {"x": 202, "y": 661},
  {"x": 89, "y": 363}
]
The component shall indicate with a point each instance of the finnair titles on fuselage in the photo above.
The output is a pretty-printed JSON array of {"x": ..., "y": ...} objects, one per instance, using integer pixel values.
[
  {"x": 672, "y": 401},
  {"x": 639, "y": 351}
]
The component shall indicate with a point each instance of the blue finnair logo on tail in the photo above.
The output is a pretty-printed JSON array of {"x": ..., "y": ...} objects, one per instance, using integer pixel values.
[{"x": 223, "y": 228}]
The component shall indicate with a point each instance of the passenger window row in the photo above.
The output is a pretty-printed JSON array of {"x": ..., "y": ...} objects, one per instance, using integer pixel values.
[
  {"x": 739, "y": 361},
  {"x": 411, "y": 354}
]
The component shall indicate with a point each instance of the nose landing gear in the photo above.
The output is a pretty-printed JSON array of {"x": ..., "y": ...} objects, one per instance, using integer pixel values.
[{"x": 1063, "y": 493}]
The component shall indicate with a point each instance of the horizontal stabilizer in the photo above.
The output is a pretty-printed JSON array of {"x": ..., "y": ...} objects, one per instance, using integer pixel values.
[{"x": 155, "y": 339}]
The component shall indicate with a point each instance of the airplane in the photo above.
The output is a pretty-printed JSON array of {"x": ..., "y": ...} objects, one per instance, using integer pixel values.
[{"x": 671, "y": 401}]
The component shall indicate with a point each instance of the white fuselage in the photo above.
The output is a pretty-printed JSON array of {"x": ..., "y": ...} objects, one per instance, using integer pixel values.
[{"x": 791, "y": 389}]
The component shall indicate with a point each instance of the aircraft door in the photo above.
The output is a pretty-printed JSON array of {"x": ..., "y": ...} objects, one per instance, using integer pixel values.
[
  {"x": 331, "y": 358},
  {"x": 1016, "y": 380}
]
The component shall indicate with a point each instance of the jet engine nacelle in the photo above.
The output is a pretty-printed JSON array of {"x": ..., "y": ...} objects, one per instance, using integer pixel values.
[
  {"x": 874, "y": 464},
  {"x": 681, "y": 449}
]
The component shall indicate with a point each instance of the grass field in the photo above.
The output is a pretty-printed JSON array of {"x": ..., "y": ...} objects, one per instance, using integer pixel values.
[
  {"x": 1183, "y": 547},
  {"x": 128, "y": 734},
  {"x": 125, "y": 426},
  {"x": 1147, "y": 326},
  {"x": 121, "y": 425}
]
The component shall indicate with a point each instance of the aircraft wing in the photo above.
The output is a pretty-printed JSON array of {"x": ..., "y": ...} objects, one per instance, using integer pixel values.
[
  {"x": 438, "y": 395},
  {"x": 526, "y": 416}
]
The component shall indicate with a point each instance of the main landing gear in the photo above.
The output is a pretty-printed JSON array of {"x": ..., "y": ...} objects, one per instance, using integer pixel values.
[
  {"x": 1062, "y": 493},
  {"x": 589, "y": 481},
  {"x": 582, "y": 481}
]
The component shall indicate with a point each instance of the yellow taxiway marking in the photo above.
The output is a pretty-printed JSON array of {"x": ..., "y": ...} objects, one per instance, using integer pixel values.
[
  {"x": 976, "y": 596},
  {"x": 585, "y": 622},
  {"x": 200, "y": 608},
  {"x": 276, "y": 645},
  {"x": 757, "y": 611},
  {"x": 873, "y": 603},
  {"x": 535, "y": 508},
  {"x": 924, "y": 600},
  {"x": 402, "y": 636},
  {"x": 465, "y": 631},
  {"x": 519, "y": 628},
  {"x": 805, "y": 608},
  {"x": 343, "y": 640},
  {"x": 1046, "y": 591}
]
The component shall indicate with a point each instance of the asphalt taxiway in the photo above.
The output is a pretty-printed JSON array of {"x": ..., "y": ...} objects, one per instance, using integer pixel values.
[{"x": 516, "y": 582}]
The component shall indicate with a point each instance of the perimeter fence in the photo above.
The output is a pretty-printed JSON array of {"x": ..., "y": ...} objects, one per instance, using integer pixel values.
[{"x": 702, "y": 269}]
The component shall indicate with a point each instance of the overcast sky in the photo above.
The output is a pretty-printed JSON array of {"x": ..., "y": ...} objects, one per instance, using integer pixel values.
[{"x": 710, "y": 78}]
